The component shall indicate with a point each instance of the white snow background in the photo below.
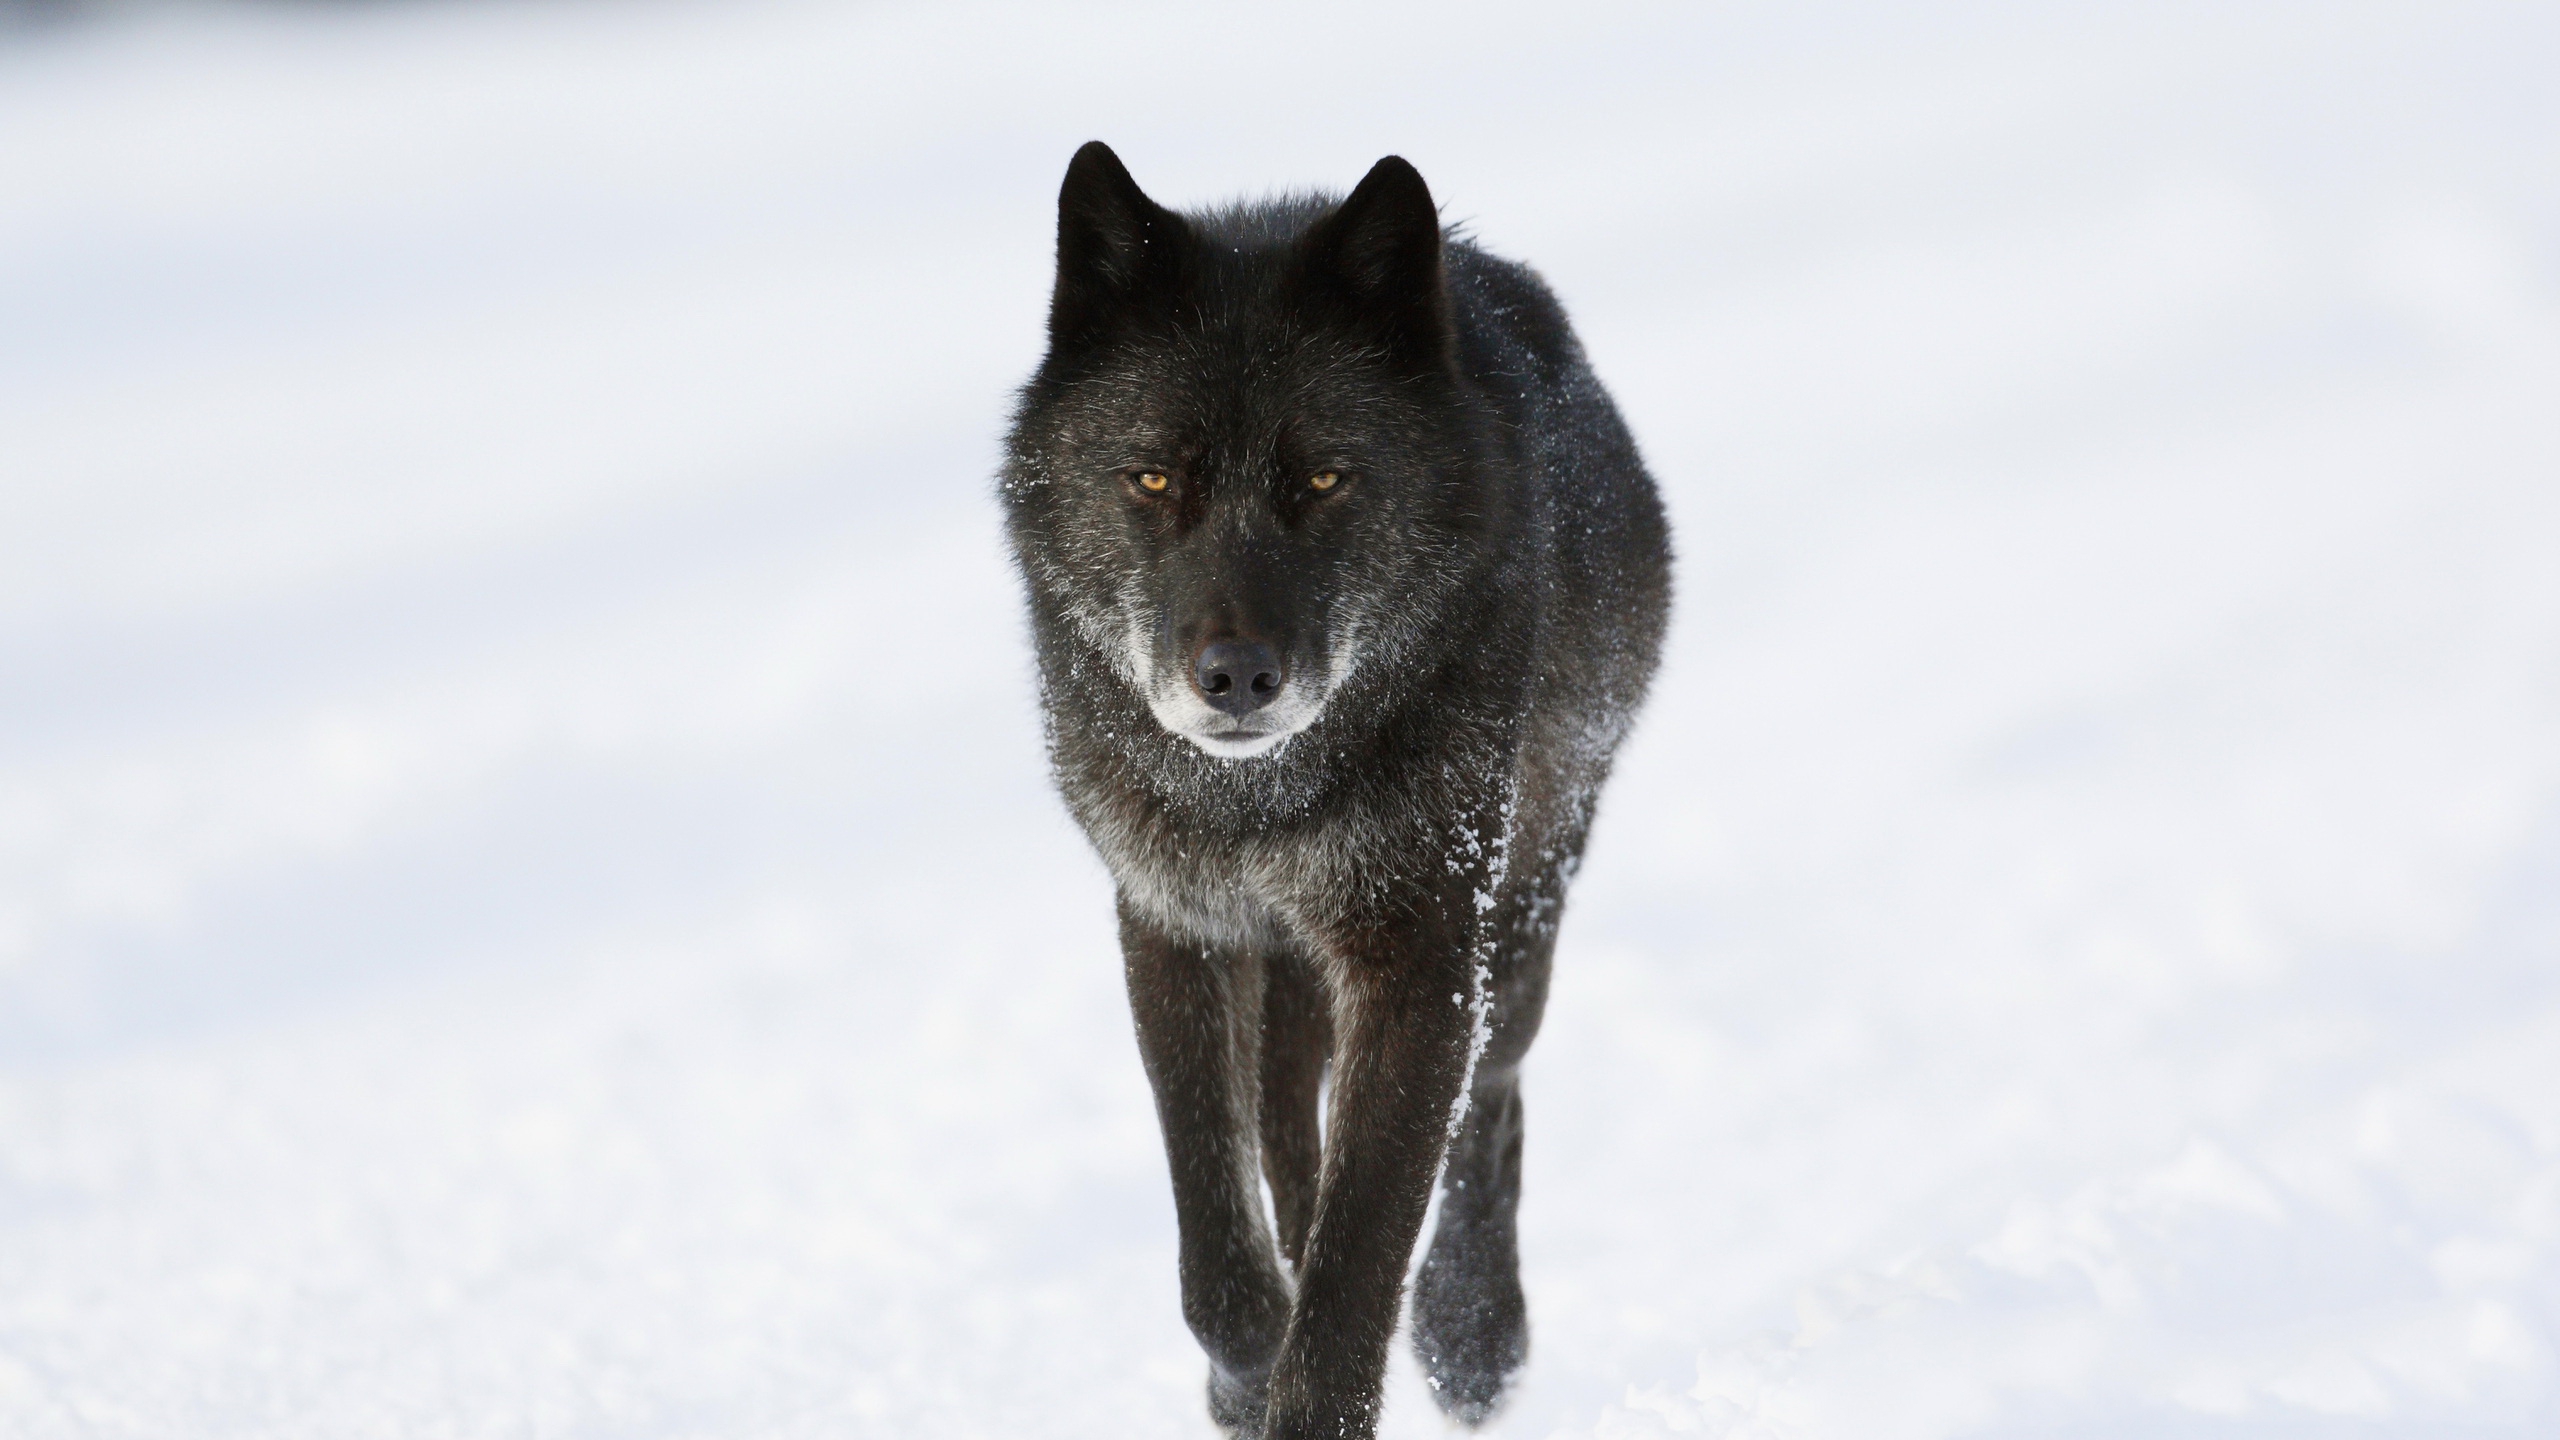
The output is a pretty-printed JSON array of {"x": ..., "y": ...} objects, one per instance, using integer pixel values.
[{"x": 529, "y": 902}]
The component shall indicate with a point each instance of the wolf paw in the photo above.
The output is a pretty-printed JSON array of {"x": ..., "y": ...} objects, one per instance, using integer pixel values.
[
  {"x": 1470, "y": 1337},
  {"x": 1237, "y": 1404}
]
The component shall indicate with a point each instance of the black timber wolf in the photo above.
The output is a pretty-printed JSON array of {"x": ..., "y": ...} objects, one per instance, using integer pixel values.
[{"x": 1345, "y": 582}]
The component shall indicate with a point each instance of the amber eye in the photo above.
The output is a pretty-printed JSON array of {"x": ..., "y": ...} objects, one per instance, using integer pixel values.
[
  {"x": 1154, "y": 482},
  {"x": 1325, "y": 479}
]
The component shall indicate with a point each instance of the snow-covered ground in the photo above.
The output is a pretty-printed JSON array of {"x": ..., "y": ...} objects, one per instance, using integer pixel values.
[{"x": 529, "y": 904}]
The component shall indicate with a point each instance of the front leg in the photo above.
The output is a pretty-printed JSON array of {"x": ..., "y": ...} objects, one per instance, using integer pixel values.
[
  {"x": 1297, "y": 1036},
  {"x": 1199, "y": 1014},
  {"x": 1403, "y": 1021}
]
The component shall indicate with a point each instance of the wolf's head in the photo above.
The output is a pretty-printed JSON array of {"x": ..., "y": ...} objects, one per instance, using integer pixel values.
[{"x": 1247, "y": 465}]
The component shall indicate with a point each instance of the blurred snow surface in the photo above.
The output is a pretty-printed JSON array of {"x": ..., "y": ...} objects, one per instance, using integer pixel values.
[{"x": 529, "y": 904}]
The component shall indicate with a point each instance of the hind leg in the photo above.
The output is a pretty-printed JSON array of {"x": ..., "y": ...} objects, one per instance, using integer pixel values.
[
  {"x": 1470, "y": 1318},
  {"x": 1297, "y": 1036}
]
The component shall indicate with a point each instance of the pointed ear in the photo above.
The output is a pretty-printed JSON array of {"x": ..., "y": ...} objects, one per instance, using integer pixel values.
[
  {"x": 1116, "y": 247},
  {"x": 1379, "y": 254}
]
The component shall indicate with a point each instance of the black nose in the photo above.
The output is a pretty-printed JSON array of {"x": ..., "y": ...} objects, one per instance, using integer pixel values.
[{"x": 1237, "y": 676}]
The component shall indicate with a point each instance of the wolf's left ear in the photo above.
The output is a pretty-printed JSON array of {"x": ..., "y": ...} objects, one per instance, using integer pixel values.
[
  {"x": 1116, "y": 247},
  {"x": 1380, "y": 251}
]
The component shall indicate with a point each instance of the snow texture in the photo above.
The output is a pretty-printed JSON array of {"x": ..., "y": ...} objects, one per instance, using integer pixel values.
[{"x": 528, "y": 901}]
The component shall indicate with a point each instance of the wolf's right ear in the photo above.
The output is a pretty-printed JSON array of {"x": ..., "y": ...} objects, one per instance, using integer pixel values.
[{"x": 1116, "y": 247}]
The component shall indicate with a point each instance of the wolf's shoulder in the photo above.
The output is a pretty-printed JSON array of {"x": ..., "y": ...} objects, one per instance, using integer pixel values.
[{"x": 1504, "y": 306}]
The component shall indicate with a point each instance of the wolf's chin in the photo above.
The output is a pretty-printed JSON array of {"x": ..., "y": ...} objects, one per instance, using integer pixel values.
[
  {"x": 1218, "y": 735},
  {"x": 1239, "y": 747}
]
